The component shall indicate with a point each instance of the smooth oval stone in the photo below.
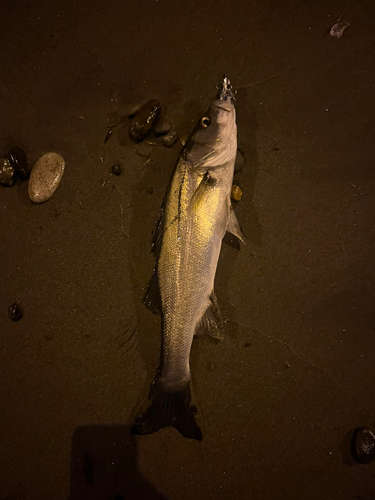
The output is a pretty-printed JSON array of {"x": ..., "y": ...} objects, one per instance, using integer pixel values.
[
  {"x": 363, "y": 445},
  {"x": 18, "y": 160},
  {"x": 45, "y": 177},
  {"x": 7, "y": 173},
  {"x": 142, "y": 123}
]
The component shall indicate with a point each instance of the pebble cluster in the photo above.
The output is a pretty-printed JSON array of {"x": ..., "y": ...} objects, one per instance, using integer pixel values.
[
  {"x": 149, "y": 118},
  {"x": 44, "y": 177}
]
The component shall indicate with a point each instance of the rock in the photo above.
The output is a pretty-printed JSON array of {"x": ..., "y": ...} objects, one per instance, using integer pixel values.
[
  {"x": 116, "y": 169},
  {"x": 170, "y": 139},
  {"x": 45, "y": 177},
  {"x": 162, "y": 127},
  {"x": 14, "y": 311},
  {"x": 236, "y": 193},
  {"x": 363, "y": 445},
  {"x": 142, "y": 123},
  {"x": 18, "y": 160},
  {"x": 240, "y": 162},
  {"x": 7, "y": 173}
]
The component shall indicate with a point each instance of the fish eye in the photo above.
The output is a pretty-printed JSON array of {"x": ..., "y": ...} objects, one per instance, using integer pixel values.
[{"x": 206, "y": 121}]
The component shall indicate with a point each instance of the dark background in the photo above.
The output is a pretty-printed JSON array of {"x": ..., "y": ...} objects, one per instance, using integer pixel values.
[{"x": 295, "y": 372}]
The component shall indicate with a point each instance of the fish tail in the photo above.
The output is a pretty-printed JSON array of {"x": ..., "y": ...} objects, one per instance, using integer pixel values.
[{"x": 169, "y": 409}]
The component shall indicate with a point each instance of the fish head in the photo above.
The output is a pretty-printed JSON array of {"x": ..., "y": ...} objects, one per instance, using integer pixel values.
[{"x": 213, "y": 142}]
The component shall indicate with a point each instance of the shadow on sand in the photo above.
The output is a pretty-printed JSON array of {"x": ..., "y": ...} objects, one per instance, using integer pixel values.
[{"x": 104, "y": 465}]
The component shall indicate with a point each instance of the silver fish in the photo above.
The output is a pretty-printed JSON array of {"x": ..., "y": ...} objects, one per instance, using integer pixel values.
[{"x": 194, "y": 217}]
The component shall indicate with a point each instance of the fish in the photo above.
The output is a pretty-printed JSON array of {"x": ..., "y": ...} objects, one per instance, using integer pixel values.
[{"x": 194, "y": 217}]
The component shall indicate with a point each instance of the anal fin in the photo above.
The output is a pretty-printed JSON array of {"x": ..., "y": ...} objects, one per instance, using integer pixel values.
[{"x": 212, "y": 323}]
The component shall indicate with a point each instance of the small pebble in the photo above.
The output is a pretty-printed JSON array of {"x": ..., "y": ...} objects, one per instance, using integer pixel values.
[
  {"x": 236, "y": 193},
  {"x": 14, "y": 311},
  {"x": 116, "y": 169},
  {"x": 240, "y": 162},
  {"x": 162, "y": 127},
  {"x": 17, "y": 159},
  {"x": 7, "y": 173},
  {"x": 363, "y": 445},
  {"x": 142, "y": 123},
  {"x": 45, "y": 177},
  {"x": 170, "y": 139}
]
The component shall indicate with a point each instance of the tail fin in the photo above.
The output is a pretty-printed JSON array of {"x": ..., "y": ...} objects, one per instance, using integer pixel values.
[{"x": 169, "y": 409}]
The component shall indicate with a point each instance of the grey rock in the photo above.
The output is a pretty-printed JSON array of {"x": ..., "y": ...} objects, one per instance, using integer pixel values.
[
  {"x": 162, "y": 127},
  {"x": 7, "y": 173},
  {"x": 170, "y": 139},
  {"x": 45, "y": 177},
  {"x": 240, "y": 162}
]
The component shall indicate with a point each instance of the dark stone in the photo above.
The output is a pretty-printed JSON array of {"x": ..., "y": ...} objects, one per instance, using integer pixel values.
[
  {"x": 363, "y": 445},
  {"x": 142, "y": 123},
  {"x": 162, "y": 126},
  {"x": 116, "y": 169},
  {"x": 14, "y": 311},
  {"x": 18, "y": 160},
  {"x": 170, "y": 139},
  {"x": 240, "y": 162},
  {"x": 7, "y": 173}
]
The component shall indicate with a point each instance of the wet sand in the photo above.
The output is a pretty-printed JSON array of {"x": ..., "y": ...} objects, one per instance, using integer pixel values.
[{"x": 295, "y": 372}]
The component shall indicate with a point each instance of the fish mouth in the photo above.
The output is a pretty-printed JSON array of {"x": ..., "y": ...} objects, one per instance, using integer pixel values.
[
  {"x": 225, "y": 90},
  {"x": 224, "y": 109}
]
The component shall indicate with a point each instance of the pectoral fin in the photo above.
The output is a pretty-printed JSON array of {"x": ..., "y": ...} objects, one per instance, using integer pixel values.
[{"x": 233, "y": 227}]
